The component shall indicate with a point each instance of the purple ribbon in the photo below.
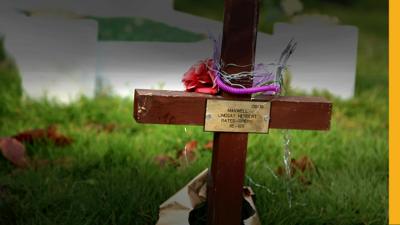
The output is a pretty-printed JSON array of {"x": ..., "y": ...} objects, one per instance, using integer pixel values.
[
  {"x": 261, "y": 75},
  {"x": 245, "y": 91}
]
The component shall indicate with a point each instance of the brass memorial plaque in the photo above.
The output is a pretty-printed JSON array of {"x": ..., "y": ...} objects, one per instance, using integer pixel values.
[{"x": 237, "y": 116}]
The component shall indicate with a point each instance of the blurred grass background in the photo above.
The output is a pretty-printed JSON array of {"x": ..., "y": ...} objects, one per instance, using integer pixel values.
[{"x": 111, "y": 177}]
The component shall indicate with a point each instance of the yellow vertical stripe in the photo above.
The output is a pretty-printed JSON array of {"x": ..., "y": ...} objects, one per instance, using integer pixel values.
[{"x": 394, "y": 128}]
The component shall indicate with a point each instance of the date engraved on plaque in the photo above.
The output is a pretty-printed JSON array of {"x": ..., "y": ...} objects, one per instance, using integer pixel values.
[{"x": 237, "y": 116}]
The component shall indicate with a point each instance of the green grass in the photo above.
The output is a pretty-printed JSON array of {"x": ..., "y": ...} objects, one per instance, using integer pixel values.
[{"x": 112, "y": 178}]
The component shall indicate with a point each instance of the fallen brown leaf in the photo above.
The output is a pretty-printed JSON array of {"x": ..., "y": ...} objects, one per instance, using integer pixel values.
[
  {"x": 208, "y": 145},
  {"x": 184, "y": 156},
  {"x": 303, "y": 164},
  {"x": 191, "y": 145},
  {"x": 299, "y": 166},
  {"x": 31, "y": 136},
  {"x": 37, "y": 135},
  {"x": 57, "y": 138},
  {"x": 188, "y": 154},
  {"x": 14, "y": 152}
]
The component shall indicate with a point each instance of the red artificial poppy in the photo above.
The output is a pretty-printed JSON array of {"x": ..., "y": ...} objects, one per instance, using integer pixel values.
[{"x": 200, "y": 78}]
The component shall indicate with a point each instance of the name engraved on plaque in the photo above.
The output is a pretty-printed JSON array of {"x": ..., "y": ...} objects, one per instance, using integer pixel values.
[{"x": 237, "y": 116}]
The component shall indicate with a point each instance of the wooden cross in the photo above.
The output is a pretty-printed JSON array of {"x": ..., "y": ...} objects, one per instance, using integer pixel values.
[{"x": 229, "y": 149}]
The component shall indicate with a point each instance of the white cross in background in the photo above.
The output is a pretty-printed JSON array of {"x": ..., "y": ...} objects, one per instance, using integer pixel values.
[{"x": 64, "y": 57}]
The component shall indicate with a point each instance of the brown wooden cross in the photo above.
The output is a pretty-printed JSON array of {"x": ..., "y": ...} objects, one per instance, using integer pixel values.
[{"x": 229, "y": 149}]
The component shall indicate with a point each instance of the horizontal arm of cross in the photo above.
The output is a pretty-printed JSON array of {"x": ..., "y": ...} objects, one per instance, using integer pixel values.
[{"x": 186, "y": 108}]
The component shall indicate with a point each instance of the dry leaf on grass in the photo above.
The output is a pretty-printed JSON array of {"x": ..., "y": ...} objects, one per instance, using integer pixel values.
[
  {"x": 191, "y": 145},
  {"x": 299, "y": 166},
  {"x": 303, "y": 164},
  {"x": 188, "y": 154},
  {"x": 57, "y": 138},
  {"x": 49, "y": 134},
  {"x": 209, "y": 145},
  {"x": 14, "y": 152},
  {"x": 31, "y": 136},
  {"x": 183, "y": 157}
]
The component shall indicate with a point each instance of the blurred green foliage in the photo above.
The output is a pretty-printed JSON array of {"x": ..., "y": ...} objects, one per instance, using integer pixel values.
[{"x": 10, "y": 84}]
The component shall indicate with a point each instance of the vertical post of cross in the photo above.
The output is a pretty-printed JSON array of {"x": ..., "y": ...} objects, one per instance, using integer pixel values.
[{"x": 226, "y": 178}]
